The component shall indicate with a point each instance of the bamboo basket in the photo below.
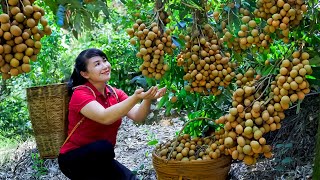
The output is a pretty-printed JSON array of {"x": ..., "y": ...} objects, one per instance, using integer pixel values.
[
  {"x": 214, "y": 169},
  {"x": 48, "y": 107}
]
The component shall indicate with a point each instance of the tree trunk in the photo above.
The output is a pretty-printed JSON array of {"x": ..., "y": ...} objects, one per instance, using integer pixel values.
[{"x": 316, "y": 167}]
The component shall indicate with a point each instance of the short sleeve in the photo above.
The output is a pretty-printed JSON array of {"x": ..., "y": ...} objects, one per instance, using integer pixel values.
[
  {"x": 121, "y": 95},
  {"x": 80, "y": 97}
]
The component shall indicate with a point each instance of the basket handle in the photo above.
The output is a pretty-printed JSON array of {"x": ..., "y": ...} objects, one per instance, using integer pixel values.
[
  {"x": 185, "y": 125},
  {"x": 74, "y": 128}
]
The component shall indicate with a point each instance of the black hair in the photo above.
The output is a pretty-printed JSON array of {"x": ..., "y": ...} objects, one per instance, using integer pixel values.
[{"x": 81, "y": 63}]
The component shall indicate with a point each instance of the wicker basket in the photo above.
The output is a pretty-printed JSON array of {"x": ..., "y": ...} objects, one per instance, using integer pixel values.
[
  {"x": 48, "y": 113},
  {"x": 214, "y": 169}
]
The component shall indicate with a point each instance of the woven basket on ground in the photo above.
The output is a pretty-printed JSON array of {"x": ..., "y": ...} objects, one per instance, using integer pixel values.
[
  {"x": 48, "y": 113},
  {"x": 214, "y": 169}
]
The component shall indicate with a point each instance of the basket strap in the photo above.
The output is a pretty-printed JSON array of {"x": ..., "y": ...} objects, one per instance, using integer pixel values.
[
  {"x": 76, "y": 126},
  {"x": 86, "y": 87},
  {"x": 113, "y": 91}
]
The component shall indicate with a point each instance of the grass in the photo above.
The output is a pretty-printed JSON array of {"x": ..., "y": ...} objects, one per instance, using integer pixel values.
[{"x": 7, "y": 147}]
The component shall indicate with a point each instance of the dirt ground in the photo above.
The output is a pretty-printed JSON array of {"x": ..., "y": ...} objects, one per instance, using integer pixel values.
[{"x": 293, "y": 153}]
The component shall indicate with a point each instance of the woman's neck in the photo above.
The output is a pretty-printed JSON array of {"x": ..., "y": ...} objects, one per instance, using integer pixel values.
[{"x": 99, "y": 86}]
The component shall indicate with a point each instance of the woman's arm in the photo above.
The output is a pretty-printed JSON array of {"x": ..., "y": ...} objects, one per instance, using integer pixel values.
[
  {"x": 139, "y": 112},
  {"x": 95, "y": 111}
]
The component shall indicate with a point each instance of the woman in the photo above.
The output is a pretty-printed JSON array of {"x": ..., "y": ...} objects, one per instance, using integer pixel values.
[{"x": 95, "y": 112}]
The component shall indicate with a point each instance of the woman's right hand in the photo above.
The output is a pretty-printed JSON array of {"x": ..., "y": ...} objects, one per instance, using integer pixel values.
[{"x": 140, "y": 94}]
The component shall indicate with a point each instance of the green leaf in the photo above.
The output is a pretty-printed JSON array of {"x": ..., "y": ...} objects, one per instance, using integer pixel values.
[
  {"x": 315, "y": 60},
  {"x": 75, "y": 34},
  {"x": 298, "y": 106},
  {"x": 314, "y": 82},
  {"x": 238, "y": 57},
  {"x": 226, "y": 8},
  {"x": 124, "y": 1},
  {"x": 279, "y": 145},
  {"x": 279, "y": 167},
  {"x": 287, "y": 160},
  {"x": 176, "y": 42},
  {"x": 182, "y": 24},
  {"x": 87, "y": 20},
  {"x": 288, "y": 145},
  {"x": 163, "y": 100},
  {"x": 183, "y": 14},
  {"x": 316, "y": 71},
  {"x": 168, "y": 109},
  {"x": 153, "y": 142},
  {"x": 105, "y": 10},
  {"x": 266, "y": 70}
]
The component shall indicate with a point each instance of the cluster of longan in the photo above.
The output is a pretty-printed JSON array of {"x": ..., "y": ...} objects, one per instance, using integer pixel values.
[
  {"x": 248, "y": 36},
  {"x": 20, "y": 36},
  {"x": 256, "y": 111},
  {"x": 154, "y": 41},
  {"x": 291, "y": 83},
  {"x": 188, "y": 149},
  {"x": 281, "y": 15},
  {"x": 205, "y": 65}
]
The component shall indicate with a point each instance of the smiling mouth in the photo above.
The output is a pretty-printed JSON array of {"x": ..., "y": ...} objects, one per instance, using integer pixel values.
[{"x": 107, "y": 72}]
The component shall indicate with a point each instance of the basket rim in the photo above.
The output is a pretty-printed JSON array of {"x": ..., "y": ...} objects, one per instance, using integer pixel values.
[
  {"x": 186, "y": 162},
  {"x": 54, "y": 84}
]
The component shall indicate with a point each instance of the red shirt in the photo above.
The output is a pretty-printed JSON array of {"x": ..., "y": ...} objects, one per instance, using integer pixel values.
[{"x": 90, "y": 131}]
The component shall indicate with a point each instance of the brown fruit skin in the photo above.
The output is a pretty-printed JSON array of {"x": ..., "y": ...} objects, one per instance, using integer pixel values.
[
  {"x": 13, "y": 2},
  {"x": 31, "y": 23},
  {"x": 15, "y": 30},
  {"x": 4, "y": 18},
  {"x": 173, "y": 99},
  {"x": 26, "y": 68},
  {"x": 267, "y": 62},
  {"x": 37, "y": 15},
  {"x": 28, "y": 10},
  {"x": 43, "y": 21}
]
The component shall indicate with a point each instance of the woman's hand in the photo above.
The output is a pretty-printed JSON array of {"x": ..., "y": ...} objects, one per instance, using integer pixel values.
[
  {"x": 160, "y": 93},
  {"x": 139, "y": 112},
  {"x": 152, "y": 93}
]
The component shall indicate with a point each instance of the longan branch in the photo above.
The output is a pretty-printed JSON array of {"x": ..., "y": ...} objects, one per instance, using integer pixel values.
[
  {"x": 310, "y": 94},
  {"x": 262, "y": 80},
  {"x": 8, "y": 9},
  {"x": 21, "y": 3},
  {"x": 265, "y": 89},
  {"x": 188, "y": 5}
]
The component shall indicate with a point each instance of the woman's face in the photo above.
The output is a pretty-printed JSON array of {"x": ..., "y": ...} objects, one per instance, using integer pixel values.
[{"x": 98, "y": 70}]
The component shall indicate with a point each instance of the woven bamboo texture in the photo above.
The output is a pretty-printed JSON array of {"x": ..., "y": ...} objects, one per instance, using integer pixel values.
[
  {"x": 48, "y": 113},
  {"x": 214, "y": 169}
]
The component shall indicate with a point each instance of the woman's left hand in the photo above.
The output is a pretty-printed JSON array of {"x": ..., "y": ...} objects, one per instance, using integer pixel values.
[{"x": 154, "y": 93}]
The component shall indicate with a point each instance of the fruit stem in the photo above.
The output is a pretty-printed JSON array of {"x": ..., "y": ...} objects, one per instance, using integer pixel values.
[
  {"x": 188, "y": 5},
  {"x": 199, "y": 150},
  {"x": 8, "y": 10},
  {"x": 21, "y": 3},
  {"x": 159, "y": 6},
  {"x": 310, "y": 94},
  {"x": 261, "y": 82},
  {"x": 265, "y": 89}
]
